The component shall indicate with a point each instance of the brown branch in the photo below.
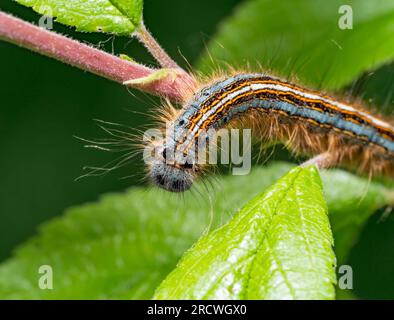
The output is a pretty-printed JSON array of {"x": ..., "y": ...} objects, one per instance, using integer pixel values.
[{"x": 87, "y": 58}]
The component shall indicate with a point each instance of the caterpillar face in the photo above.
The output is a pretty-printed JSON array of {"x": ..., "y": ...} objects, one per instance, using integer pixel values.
[
  {"x": 173, "y": 168},
  {"x": 170, "y": 177}
]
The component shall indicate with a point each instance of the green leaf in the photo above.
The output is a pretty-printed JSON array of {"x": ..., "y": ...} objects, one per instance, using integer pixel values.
[
  {"x": 131, "y": 9},
  {"x": 352, "y": 201},
  {"x": 302, "y": 38},
  {"x": 277, "y": 247},
  {"x": 110, "y": 16},
  {"x": 124, "y": 245}
]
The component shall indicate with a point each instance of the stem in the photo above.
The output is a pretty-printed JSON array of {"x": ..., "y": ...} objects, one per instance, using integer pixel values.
[
  {"x": 51, "y": 44},
  {"x": 390, "y": 197},
  {"x": 155, "y": 49},
  {"x": 321, "y": 161}
]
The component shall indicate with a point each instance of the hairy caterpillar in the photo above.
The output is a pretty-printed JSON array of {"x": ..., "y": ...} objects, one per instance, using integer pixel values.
[{"x": 307, "y": 122}]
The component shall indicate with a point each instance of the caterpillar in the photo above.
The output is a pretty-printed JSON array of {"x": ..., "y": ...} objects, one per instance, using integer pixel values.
[{"x": 307, "y": 122}]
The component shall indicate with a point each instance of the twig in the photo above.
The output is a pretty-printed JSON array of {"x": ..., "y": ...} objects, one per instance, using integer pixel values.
[
  {"x": 321, "y": 161},
  {"x": 87, "y": 58},
  {"x": 155, "y": 49}
]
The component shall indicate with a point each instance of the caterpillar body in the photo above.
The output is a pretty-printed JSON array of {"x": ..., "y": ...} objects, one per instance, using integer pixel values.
[{"x": 307, "y": 122}]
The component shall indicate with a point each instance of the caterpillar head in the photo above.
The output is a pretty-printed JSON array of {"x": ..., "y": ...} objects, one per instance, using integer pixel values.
[
  {"x": 170, "y": 171},
  {"x": 173, "y": 166},
  {"x": 170, "y": 177}
]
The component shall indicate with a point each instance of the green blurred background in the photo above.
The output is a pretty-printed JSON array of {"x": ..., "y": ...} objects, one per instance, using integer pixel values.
[{"x": 44, "y": 104}]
